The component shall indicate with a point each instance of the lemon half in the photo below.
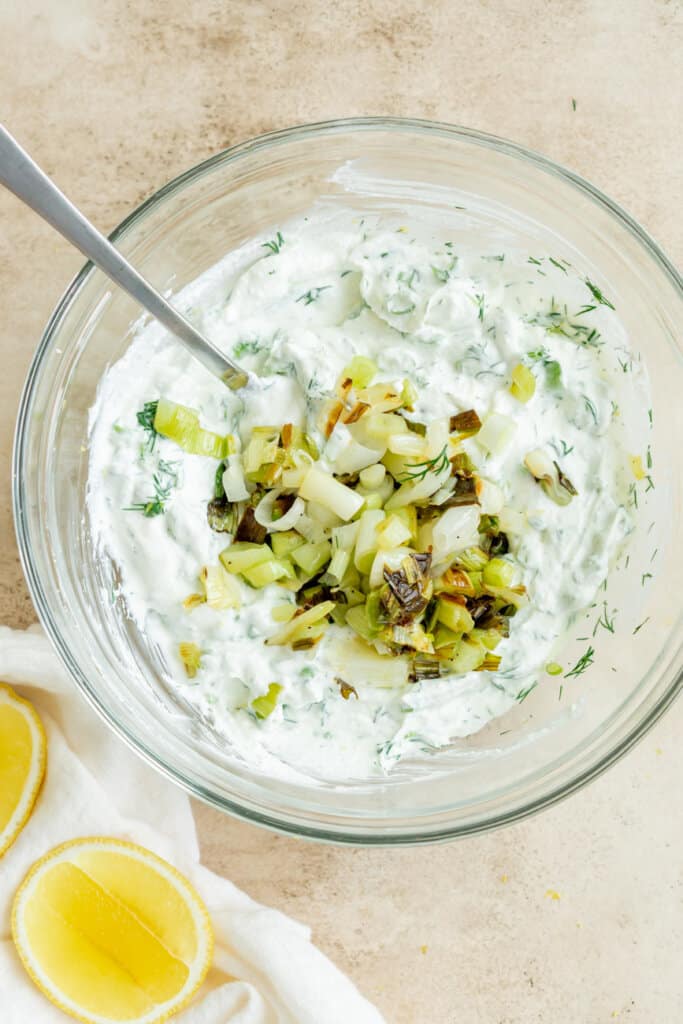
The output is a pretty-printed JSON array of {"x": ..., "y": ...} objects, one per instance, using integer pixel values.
[
  {"x": 110, "y": 932},
  {"x": 23, "y": 755}
]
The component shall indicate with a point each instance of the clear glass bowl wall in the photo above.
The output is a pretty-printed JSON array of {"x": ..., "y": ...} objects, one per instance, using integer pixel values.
[{"x": 545, "y": 747}]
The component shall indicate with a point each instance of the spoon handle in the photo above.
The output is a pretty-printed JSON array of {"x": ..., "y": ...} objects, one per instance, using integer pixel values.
[{"x": 22, "y": 176}]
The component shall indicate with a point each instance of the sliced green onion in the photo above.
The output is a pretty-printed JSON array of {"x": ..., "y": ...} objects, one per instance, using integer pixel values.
[
  {"x": 222, "y": 589},
  {"x": 548, "y": 474},
  {"x": 357, "y": 618},
  {"x": 498, "y": 573},
  {"x": 284, "y": 543},
  {"x": 523, "y": 383},
  {"x": 454, "y": 615},
  {"x": 283, "y": 612},
  {"x": 490, "y": 638},
  {"x": 392, "y": 532},
  {"x": 496, "y": 433},
  {"x": 296, "y": 628},
  {"x": 360, "y": 371},
  {"x": 469, "y": 657},
  {"x": 241, "y": 555},
  {"x": 409, "y": 395},
  {"x": 366, "y": 541},
  {"x": 372, "y": 476},
  {"x": 312, "y": 557},
  {"x": 406, "y": 444},
  {"x": 265, "y": 705},
  {"x": 467, "y": 424},
  {"x": 191, "y": 657},
  {"x": 323, "y": 488},
  {"x": 338, "y": 565},
  {"x": 267, "y": 572},
  {"x": 180, "y": 424},
  {"x": 472, "y": 559}
]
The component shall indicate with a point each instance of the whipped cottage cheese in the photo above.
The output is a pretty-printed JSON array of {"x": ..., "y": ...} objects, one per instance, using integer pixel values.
[{"x": 295, "y": 309}]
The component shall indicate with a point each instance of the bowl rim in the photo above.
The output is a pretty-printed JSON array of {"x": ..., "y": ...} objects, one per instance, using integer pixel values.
[{"x": 281, "y": 824}]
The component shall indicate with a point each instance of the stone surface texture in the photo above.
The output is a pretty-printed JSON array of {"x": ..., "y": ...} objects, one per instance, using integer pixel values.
[{"x": 572, "y": 917}]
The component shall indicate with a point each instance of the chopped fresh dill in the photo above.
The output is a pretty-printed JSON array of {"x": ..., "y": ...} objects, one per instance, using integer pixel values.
[
  {"x": 345, "y": 272},
  {"x": 590, "y": 406},
  {"x": 649, "y": 416},
  {"x": 243, "y": 348},
  {"x": 650, "y": 484},
  {"x": 523, "y": 694},
  {"x": 480, "y": 305},
  {"x": 638, "y": 628},
  {"x": 494, "y": 259},
  {"x": 419, "y": 470},
  {"x": 402, "y": 311},
  {"x": 560, "y": 691},
  {"x": 274, "y": 245},
  {"x": 440, "y": 274},
  {"x": 597, "y": 294},
  {"x": 648, "y": 457},
  {"x": 633, "y": 495},
  {"x": 163, "y": 481},
  {"x": 646, "y": 576},
  {"x": 313, "y": 294},
  {"x": 145, "y": 418},
  {"x": 573, "y": 103},
  {"x": 557, "y": 321},
  {"x": 561, "y": 447},
  {"x": 408, "y": 278},
  {"x": 557, "y": 264},
  {"x": 653, "y": 555},
  {"x": 586, "y": 309},
  {"x": 532, "y": 259},
  {"x": 605, "y": 621},
  {"x": 582, "y": 664}
]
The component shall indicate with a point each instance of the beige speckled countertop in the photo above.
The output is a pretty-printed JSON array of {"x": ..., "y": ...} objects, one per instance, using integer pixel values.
[{"x": 114, "y": 99}]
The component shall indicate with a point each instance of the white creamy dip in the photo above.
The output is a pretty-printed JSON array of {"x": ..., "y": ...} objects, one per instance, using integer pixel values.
[{"x": 454, "y": 322}]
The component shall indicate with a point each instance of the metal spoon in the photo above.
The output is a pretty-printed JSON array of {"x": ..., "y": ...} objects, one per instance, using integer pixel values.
[{"x": 21, "y": 175}]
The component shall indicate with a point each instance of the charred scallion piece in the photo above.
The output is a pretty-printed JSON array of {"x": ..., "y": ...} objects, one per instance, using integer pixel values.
[
  {"x": 548, "y": 474},
  {"x": 465, "y": 423}
]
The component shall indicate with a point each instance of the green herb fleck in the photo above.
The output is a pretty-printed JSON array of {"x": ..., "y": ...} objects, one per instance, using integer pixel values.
[
  {"x": 419, "y": 470},
  {"x": 145, "y": 418},
  {"x": 313, "y": 294},
  {"x": 557, "y": 264},
  {"x": 582, "y": 664},
  {"x": 523, "y": 694},
  {"x": 605, "y": 621},
  {"x": 590, "y": 406},
  {"x": 646, "y": 576},
  {"x": 573, "y": 103},
  {"x": 164, "y": 480},
  {"x": 597, "y": 294},
  {"x": 409, "y": 278},
  {"x": 633, "y": 495},
  {"x": 638, "y": 628},
  {"x": 244, "y": 348},
  {"x": 274, "y": 245},
  {"x": 532, "y": 259}
]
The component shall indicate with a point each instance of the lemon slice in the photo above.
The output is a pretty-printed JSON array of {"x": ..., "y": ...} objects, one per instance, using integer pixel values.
[
  {"x": 110, "y": 932},
  {"x": 23, "y": 754}
]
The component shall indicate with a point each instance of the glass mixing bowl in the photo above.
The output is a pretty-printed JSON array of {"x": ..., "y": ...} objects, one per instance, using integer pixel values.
[{"x": 546, "y": 747}]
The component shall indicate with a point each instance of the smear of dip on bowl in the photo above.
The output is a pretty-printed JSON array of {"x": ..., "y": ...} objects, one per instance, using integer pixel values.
[{"x": 378, "y": 546}]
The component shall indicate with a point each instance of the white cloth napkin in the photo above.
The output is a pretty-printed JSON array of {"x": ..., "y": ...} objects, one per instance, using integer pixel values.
[{"x": 96, "y": 786}]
